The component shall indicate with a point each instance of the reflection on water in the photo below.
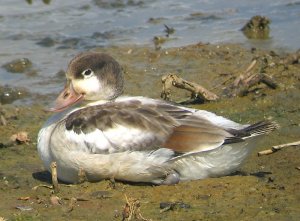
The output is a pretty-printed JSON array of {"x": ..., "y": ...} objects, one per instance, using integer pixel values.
[{"x": 50, "y": 32}]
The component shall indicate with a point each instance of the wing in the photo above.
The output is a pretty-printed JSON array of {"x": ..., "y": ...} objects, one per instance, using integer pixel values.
[{"x": 134, "y": 125}]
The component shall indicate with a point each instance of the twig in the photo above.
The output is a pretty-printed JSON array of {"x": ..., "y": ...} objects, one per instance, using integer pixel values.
[
  {"x": 77, "y": 198},
  {"x": 3, "y": 120},
  {"x": 223, "y": 82},
  {"x": 81, "y": 176},
  {"x": 267, "y": 80},
  {"x": 53, "y": 167},
  {"x": 246, "y": 80},
  {"x": 71, "y": 205},
  {"x": 243, "y": 88},
  {"x": 241, "y": 78},
  {"x": 42, "y": 185},
  {"x": 131, "y": 210},
  {"x": 278, "y": 147},
  {"x": 197, "y": 90}
]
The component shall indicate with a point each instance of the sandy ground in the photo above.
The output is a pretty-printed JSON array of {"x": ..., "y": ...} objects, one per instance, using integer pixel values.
[{"x": 265, "y": 188}]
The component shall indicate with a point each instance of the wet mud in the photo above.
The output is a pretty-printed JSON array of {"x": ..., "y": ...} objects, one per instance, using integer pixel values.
[{"x": 264, "y": 188}]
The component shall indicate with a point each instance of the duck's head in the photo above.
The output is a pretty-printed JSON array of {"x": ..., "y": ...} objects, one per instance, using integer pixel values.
[{"x": 91, "y": 76}]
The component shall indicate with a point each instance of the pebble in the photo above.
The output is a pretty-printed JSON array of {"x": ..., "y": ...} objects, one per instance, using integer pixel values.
[
  {"x": 102, "y": 194},
  {"x": 10, "y": 94},
  {"x": 165, "y": 206},
  {"x": 24, "y": 208},
  {"x": 55, "y": 200},
  {"x": 47, "y": 42},
  {"x": 18, "y": 65}
]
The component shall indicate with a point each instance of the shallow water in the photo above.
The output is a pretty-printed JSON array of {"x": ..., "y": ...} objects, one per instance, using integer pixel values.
[{"x": 50, "y": 34}]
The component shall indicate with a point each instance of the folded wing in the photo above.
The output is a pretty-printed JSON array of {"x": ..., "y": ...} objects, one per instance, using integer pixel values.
[{"x": 137, "y": 126}]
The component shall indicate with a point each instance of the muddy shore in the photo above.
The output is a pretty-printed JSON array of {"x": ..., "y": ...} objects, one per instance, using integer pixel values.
[{"x": 265, "y": 188}]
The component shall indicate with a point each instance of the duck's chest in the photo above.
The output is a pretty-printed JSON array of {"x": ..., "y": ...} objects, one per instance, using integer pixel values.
[
  {"x": 44, "y": 139},
  {"x": 43, "y": 145}
]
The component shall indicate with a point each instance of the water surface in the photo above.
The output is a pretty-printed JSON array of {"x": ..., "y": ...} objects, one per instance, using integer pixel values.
[{"x": 51, "y": 34}]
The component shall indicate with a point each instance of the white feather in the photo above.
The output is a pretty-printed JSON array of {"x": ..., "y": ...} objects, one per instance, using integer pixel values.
[
  {"x": 125, "y": 138},
  {"x": 89, "y": 85}
]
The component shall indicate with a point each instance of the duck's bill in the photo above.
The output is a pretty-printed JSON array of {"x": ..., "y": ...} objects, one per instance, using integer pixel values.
[{"x": 66, "y": 98}]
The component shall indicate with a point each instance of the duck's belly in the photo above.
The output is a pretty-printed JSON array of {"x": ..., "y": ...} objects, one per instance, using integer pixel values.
[
  {"x": 72, "y": 160},
  {"x": 214, "y": 163}
]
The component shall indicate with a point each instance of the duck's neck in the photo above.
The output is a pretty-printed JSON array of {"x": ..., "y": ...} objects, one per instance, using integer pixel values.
[{"x": 93, "y": 103}]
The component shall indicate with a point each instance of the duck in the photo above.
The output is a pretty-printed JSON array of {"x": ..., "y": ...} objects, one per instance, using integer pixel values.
[{"x": 97, "y": 131}]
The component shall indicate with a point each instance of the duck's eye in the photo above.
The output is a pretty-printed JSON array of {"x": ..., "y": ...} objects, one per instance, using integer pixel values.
[{"x": 87, "y": 73}]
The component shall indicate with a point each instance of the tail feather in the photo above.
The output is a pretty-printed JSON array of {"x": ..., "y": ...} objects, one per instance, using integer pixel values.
[{"x": 260, "y": 128}]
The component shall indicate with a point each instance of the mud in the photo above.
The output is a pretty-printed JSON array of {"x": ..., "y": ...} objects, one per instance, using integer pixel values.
[{"x": 265, "y": 188}]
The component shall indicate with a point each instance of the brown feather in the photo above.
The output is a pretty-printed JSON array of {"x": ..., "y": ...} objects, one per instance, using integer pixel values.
[
  {"x": 192, "y": 139},
  {"x": 170, "y": 126}
]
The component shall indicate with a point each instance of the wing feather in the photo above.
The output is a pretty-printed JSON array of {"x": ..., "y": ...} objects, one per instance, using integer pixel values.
[{"x": 133, "y": 125}]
